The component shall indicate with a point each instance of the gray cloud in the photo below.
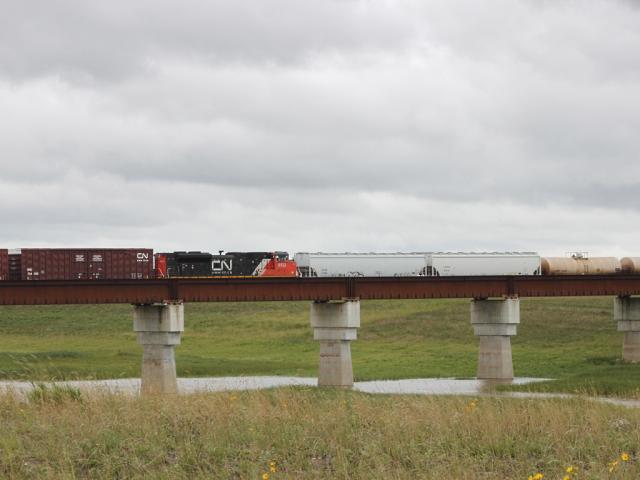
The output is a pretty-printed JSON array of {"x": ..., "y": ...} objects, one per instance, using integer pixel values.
[
  {"x": 107, "y": 40},
  {"x": 371, "y": 125}
]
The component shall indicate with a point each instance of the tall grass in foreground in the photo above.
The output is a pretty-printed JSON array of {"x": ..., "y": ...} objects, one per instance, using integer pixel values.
[{"x": 310, "y": 433}]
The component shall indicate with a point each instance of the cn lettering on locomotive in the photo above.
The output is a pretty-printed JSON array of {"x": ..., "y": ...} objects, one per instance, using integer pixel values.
[{"x": 219, "y": 266}]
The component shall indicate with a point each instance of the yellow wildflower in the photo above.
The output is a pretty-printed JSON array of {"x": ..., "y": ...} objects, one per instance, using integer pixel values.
[
  {"x": 613, "y": 465},
  {"x": 566, "y": 477},
  {"x": 624, "y": 457},
  {"x": 571, "y": 469},
  {"x": 537, "y": 476},
  {"x": 265, "y": 476}
]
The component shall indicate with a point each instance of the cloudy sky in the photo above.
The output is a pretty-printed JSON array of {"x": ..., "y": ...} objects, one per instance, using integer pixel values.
[{"x": 335, "y": 125}]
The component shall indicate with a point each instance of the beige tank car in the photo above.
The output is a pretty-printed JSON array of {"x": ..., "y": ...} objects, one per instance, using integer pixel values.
[
  {"x": 580, "y": 265},
  {"x": 630, "y": 264}
]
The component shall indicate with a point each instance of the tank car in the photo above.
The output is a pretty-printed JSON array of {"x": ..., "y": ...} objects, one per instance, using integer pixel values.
[
  {"x": 580, "y": 265},
  {"x": 630, "y": 264}
]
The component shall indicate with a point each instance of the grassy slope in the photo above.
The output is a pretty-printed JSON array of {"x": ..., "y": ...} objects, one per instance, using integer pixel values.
[
  {"x": 570, "y": 339},
  {"x": 312, "y": 433}
]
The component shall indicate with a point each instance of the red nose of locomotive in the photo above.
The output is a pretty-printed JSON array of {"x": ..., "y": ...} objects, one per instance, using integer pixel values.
[{"x": 280, "y": 266}]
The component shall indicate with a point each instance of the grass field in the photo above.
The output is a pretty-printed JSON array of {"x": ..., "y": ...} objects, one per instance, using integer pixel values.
[
  {"x": 311, "y": 433},
  {"x": 572, "y": 340},
  {"x": 294, "y": 433}
]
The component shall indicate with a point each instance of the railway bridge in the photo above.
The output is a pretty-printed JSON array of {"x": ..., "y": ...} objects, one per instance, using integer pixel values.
[{"x": 158, "y": 310}]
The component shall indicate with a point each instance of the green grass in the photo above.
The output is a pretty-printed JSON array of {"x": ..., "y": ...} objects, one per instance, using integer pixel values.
[
  {"x": 313, "y": 433},
  {"x": 572, "y": 340}
]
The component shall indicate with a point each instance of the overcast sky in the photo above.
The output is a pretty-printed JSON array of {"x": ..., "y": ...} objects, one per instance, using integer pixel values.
[{"x": 321, "y": 125}]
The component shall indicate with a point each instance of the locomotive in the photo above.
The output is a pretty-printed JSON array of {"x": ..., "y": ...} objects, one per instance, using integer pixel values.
[{"x": 230, "y": 264}]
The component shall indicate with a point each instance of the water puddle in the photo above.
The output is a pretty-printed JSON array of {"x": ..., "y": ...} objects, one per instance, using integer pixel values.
[
  {"x": 418, "y": 386},
  {"x": 622, "y": 402},
  {"x": 439, "y": 386},
  {"x": 185, "y": 385}
]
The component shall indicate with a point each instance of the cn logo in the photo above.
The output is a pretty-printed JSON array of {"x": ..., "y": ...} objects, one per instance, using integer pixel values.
[
  {"x": 142, "y": 256},
  {"x": 221, "y": 265}
]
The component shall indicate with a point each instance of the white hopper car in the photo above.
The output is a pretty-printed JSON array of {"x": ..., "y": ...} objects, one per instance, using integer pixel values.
[
  {"x": 495, "y": 263},
  {"x": 321, "y": 264},
  {"x": 416, "y": 264}
]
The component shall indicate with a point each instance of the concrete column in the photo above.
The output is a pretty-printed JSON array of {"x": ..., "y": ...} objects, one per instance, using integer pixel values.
[
  {"x": 626, "y": 311},
  {"x": 159, "y": 327},
  {"x": 335, "y": 324},
  {"x": 495, "y": 321}
]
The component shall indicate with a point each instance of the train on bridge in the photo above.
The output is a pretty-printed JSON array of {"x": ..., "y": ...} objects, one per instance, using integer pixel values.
[{"x": 142, "y": 264}]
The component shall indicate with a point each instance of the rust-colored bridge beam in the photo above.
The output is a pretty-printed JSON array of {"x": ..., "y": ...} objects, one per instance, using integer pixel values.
[
  {"x": 499, "y": 286},
  {"x": 286, "y": 289},
  {"x": 38, "y": 292}
]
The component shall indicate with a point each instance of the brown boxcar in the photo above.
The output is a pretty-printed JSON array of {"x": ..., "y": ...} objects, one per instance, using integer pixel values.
[
  {"x": 134, "y": 264},
  {"x": 4, "y": 264},
  {"x": 86, "y": 264},
  {"x": 15, "y": 272}
]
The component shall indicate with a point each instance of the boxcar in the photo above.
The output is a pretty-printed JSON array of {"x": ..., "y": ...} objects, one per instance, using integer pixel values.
[{"x": 86, "y": 264}]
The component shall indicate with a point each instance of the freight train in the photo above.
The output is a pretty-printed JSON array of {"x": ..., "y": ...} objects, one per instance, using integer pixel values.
[{"x": 138, "y": 264}]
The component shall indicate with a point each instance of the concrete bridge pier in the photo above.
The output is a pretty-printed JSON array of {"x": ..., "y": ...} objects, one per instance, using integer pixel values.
[
  {"x": 159, "y": 327},
  {"x": 335, "y": 325},
  {"x": 626, "y": 311},
  {"x": 495, "y": 321}
]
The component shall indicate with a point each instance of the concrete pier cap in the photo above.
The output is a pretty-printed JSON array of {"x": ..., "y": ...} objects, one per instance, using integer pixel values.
[
  {"x": 159, "y": 327},
  {"x": 335, "y": 325},
  {"x": 626, "y": 311},
  {"x": 495, "y": 321}
]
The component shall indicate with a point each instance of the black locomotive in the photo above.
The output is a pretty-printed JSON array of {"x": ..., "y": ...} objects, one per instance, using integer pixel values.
[{"x": 230, "y": 264}]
